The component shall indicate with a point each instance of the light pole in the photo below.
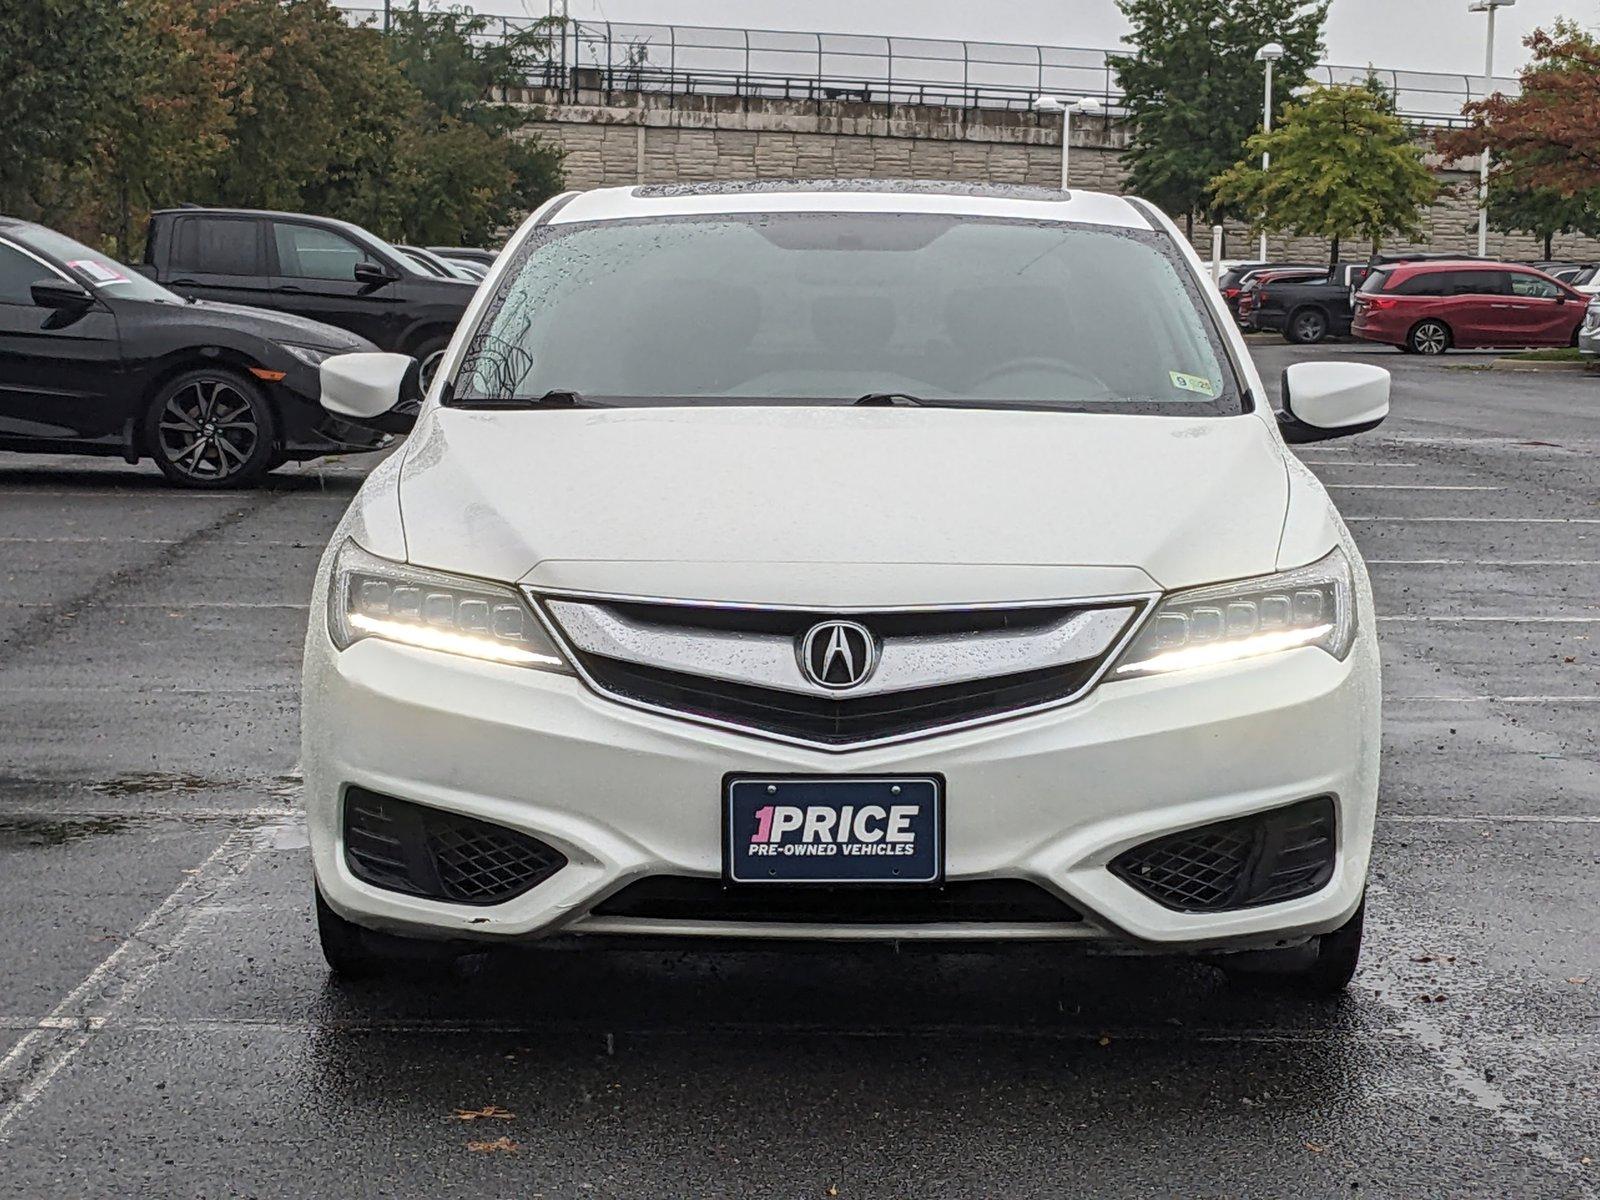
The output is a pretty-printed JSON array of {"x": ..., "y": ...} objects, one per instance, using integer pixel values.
[
  {"x": 1486, "y": 6},
  {"x": 1088, "y": 105},
  {"x": 1269, "y": 54}
]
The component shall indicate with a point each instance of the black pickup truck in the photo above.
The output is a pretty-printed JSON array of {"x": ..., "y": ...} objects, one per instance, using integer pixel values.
[
  {"x": 317, "y": 267},
  {"x": 1309, "y": 310}
]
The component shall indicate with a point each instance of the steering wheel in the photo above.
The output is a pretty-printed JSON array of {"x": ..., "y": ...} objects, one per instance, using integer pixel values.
[{"x": 1043, "y": 365}]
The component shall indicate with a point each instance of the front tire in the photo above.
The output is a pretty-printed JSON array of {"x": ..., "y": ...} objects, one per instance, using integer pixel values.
[
  {"x": 211, "y": 428},
  {"x": 429, "y": 356},
  {"x": 1306, "y": 327},
  {"x": 1429, "y": 337},
  {"x": 353, "y": 953},
  {"x": 1322, "y": 967}
]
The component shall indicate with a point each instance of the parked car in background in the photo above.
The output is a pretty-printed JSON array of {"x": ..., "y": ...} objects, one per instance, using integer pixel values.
[
  {"x": 1585, "y": 280},
  {"x": 1234, "y": 280},
  {"x": 1307, "y": 311},
  {"x": 1430, "y": 307},
  {"x": 484, "y": 258},
  {"x": 1589, "y": 333},
  {"x": 313, "y": 267},
  {"x": 97, "y": 359},
  {"x": 1249, "y": 297},
  {"x": 442, "y": 268}
]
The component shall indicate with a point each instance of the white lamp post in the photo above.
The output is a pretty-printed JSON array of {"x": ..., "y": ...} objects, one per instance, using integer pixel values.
[
  {"x": 1088, "y": 105},
  {"x": 1486, "y": 6},
  {"x": 1269, "y": 54}
]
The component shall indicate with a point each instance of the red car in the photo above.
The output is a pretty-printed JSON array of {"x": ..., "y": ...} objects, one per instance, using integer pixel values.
[{"x": 1430, "y": 307}]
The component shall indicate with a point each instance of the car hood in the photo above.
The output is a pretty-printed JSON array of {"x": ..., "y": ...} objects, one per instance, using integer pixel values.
[
  {"x": 831, "y": 506},
  {"x": 280, "y": 327}
]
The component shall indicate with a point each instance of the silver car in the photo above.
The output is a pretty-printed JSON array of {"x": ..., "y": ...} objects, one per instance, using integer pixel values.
[{"x": 1589, "y": 335}]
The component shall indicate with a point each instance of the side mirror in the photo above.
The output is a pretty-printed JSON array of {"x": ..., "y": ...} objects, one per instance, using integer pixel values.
[
  {"x": 60, "y": 294},
  {"x": 379, "y": 391},
  {"x": 1323, "y": 400},
  {"x": 375, "y": 274}
]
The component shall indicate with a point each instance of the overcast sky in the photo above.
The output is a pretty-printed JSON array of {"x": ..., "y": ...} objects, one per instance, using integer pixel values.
[{"x": 1427, "y": 35}]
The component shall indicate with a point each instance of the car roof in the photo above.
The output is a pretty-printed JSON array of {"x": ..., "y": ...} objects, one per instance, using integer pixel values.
[
  {"x": 206, "y": 210},
  {"x": 1416, "y": 266},
  {"x": 852, "y": 195}
]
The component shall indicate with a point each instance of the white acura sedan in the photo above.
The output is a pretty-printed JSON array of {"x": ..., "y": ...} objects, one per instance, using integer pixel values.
[{"x": 851, "y": 561}]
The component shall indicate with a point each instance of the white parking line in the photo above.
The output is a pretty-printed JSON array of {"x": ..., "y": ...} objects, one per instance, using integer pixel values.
[
  {"x": 1497, "y": 620},
  {"x": 113, "y": 494},
  {"x": 1411, "y": 487},
  {"x": 1490, "y": 819},
  {"x": 120, "y": 977},
  {"x": 135, "y": 541},
  {"x": 1482, "y": 520},
  {"x": 1483, "y": 562},
  {"x": 1493, "y": 700},
  {"x": 177, "y": 606},
  {"x": 1392, "y": 935}
]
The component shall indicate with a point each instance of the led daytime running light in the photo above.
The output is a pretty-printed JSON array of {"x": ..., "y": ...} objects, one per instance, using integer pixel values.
[
  {"x": 1214, "y": 653},
  {"x": 429, "y": 638}
]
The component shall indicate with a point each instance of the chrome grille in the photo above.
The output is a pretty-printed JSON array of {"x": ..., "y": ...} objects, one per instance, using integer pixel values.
[{"x": 934, "y": 668}]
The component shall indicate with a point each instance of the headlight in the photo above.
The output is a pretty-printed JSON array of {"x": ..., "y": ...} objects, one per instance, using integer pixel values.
[
  {"x": 1310, "y": 606},
  {"x": 372, "y": 597},
  {"x": 309, "y": 355},
  {"x": 1591, "y": 319}
]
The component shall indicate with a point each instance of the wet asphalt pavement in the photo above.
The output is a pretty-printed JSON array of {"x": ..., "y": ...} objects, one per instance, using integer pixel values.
[{"x": 167, "y": 1027}]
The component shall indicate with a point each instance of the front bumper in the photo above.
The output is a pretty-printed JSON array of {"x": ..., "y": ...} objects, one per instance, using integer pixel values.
[
  {"x": 307, "y": 429},
  {"x": 1050, "y": 798}
]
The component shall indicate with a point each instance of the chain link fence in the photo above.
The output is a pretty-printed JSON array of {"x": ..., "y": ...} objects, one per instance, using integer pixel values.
[{"x": 775, "y": 64}]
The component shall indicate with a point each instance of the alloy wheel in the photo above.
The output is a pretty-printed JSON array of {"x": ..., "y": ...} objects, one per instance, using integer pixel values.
[
  {"x": 1430, "y": 338},
  {"x": 207, "y": 430},
  {"x": 1309, "y": 327}
]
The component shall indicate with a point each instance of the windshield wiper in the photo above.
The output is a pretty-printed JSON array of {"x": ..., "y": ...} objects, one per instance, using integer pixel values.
[
  {"x": 888, "y": 400},
  {"x": 554, "y": 398}
]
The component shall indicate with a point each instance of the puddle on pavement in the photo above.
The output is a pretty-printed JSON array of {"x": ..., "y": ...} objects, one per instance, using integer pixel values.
[
  {"x": 154, "y": 783},
  {"x": 35, "y": 832},
  {"x": 166, "y": 783}
]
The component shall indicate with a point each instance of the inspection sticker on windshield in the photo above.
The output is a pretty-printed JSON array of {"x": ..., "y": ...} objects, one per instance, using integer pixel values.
[
  {"x": 1192, "y": 383},
  {"x": 99, "y": 272}
]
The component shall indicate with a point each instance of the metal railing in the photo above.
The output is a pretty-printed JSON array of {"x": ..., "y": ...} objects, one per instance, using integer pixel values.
[{"x": 776, "y": 64}]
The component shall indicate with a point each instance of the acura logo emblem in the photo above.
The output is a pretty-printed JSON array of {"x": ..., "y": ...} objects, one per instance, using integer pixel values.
[{"x": 838, "y": 654}]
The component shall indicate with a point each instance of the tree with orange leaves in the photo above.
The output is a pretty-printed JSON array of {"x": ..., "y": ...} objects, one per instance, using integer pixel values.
[{"x": 1547, "y": 138}]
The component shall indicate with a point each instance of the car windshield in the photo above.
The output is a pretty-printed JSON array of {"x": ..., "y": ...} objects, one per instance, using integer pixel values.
[
  {"x": 98, "y": 271},
  {"x": 831, "y": 307}
]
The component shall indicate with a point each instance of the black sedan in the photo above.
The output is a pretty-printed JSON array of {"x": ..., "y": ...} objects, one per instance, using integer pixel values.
[{"x": 97, "y": 359}]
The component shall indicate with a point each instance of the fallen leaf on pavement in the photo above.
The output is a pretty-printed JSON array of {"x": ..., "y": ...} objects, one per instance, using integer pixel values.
[
  {"x": 1314, "y": 1148},
  {"x": 1579, "y": 980},
  {"x": 500, "y": 1145},
  {"x": 484, "y": 1113}
]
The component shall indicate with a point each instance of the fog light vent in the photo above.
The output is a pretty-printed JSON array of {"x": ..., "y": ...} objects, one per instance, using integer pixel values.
[
  {"x": 1264, "y": 858},
  {"x": 405, "y": 847}
]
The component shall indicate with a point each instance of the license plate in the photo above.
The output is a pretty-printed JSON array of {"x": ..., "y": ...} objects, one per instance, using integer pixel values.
[{"x": 814, "y": 829}]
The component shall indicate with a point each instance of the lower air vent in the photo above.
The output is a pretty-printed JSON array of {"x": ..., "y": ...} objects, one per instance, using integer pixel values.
[
  {"x": 422, "y": 851},
  {"x": 990, "y": 901},
  {"x": 1260, "y": 859}
]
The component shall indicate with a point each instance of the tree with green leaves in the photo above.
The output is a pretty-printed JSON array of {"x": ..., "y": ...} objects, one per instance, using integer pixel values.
[
  {"x": 56, "y": 59},
  {"x": 1194, "y": 90},
  {"x": 1541, "y": 211},
  {"x": 1343, "y": 166},
  {"x": 165, "y": 120}
]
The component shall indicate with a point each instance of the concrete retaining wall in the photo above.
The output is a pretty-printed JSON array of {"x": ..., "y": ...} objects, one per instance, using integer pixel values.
[{"x": 627, "y": 138}]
